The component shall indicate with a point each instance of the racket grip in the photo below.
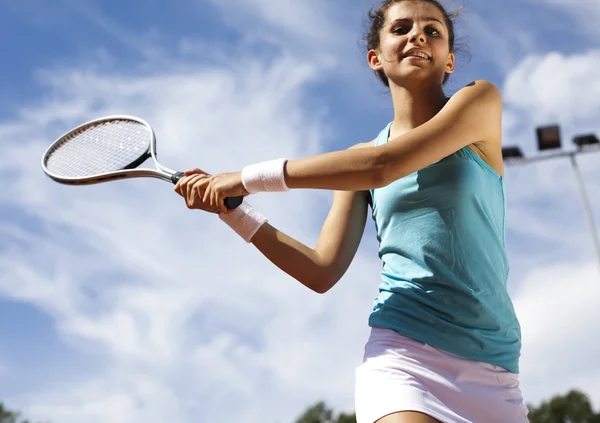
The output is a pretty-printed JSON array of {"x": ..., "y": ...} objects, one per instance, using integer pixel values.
[
  {"x": 233, "y": 202},
  {"x": 230, "y": 202},
  {"x": 176, "y": 177}
]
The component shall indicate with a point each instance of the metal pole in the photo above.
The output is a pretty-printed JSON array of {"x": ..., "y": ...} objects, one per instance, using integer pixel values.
[{"x": 586, "y": 206}]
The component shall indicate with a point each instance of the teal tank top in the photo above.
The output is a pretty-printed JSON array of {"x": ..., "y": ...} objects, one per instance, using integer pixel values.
[{"x": 441, "y": 235}]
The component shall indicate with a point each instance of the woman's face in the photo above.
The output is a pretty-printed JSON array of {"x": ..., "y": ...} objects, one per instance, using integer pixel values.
[{"x": 414, "y": 44}]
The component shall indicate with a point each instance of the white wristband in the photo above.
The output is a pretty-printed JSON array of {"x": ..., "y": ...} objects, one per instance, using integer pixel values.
[
  {"x": 245, "y": 221},
  {"x": 265, "y": 177}
]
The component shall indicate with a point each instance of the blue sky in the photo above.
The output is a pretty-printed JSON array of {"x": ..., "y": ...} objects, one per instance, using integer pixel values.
[{"x": 118, "y": 304}]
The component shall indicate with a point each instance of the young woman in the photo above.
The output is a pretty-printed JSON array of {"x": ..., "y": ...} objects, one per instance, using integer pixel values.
[{"x": 445, "y": 340}]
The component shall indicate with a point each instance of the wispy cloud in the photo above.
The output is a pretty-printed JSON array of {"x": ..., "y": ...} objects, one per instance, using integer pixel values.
[
  {"x": 122, "y": 267},
  {"x": 482, "y": 35},
  {"x": 307, "y": 21},
  {"x": 586, "y": 12},
  {"x": 179, "y": 319},
  {"x": 90, "y": 12}
]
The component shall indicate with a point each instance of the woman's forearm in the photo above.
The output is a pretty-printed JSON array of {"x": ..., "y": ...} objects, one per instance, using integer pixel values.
[
  {"x": 349, "y": 170},
  {"x": 294, "y": 258}
]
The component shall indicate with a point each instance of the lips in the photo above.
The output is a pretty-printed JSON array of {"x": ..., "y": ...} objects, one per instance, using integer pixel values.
[{"x": 418, "y": 53}]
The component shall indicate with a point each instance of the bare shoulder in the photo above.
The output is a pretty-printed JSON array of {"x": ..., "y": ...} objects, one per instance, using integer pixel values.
[
  {"x": 482, "y": 86},
  {"x": 479, "y": 93},
  {"x": 485, "y": 101},
  {"x": 478, "y": 106}
]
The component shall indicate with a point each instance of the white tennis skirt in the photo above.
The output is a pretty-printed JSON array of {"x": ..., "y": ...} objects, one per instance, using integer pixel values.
[{"x": 401, "y": 374}]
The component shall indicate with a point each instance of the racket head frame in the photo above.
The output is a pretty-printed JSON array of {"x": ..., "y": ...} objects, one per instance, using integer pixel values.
[{"x": 129, "y": 171}]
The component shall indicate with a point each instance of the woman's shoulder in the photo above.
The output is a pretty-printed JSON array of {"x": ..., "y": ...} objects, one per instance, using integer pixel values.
[
  {"x": 478, "y": 105},
  {"x": 479, "y": 91},
  {"x": 484, "y": 99},
  {"x": 483, "y": 83}
]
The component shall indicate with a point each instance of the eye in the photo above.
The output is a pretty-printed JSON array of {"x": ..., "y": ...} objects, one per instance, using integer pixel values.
[
  {"x": 431, "y": 30},
  {"x": 400, "y": 30}
]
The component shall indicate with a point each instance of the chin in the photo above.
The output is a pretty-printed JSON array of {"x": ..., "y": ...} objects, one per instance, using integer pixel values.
[{"x": 418, "y": 76}]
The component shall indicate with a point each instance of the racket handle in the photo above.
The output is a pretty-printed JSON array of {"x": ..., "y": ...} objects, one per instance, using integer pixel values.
[{"x": 231, "y": 202}]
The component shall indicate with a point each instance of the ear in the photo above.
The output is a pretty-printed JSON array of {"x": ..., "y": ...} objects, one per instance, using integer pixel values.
[
  {"x": 374, "y": 61},
  {"x": 451, "y": 63}
]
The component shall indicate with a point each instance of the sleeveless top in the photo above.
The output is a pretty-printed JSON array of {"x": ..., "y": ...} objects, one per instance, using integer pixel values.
[{"x": 441, "y": 235}]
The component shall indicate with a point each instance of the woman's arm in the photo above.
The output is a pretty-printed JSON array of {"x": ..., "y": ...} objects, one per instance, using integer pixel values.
[
  {"x": 472, "y": 116},
  {"x": 319, "y": 269}
]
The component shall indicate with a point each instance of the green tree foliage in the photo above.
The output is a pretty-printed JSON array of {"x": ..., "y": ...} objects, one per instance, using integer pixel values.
[
  {"x": 320, "y": 413},
  {"x": 8, "y": 416},
  {"x": 346, "y": 418},
  {"x": 574, "y": 407}
]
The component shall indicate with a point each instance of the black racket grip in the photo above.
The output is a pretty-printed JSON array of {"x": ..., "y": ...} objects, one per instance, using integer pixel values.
[{"x": 231, "y": 203}]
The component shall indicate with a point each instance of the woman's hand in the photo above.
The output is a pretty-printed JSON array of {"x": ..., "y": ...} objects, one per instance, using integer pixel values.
[
  {"x": 191, "y": 188},
  {"x": 218, "y": 187}
]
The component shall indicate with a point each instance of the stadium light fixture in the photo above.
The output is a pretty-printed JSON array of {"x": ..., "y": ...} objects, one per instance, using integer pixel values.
[
  {"x": 513, "y": 154},
  {"x": 548, "y": 137},
  {"x": 587, "y": 141}
]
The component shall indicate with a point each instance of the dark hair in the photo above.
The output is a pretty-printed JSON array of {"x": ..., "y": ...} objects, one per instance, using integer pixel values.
[{"x": 377, "y": 20}]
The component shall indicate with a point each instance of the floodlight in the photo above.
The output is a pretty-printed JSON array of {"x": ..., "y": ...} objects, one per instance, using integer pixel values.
[
  {"x": 512, "y": 153},
  {"x": 548, "y": 137},
  {"x": 583, "y": 141}
]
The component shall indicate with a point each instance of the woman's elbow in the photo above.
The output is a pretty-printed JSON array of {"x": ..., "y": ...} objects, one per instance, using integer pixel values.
[
  {"x": 379, "y": 176},
  {"x": 324, "y": 289},
  {"x": 322, "y": 284}
]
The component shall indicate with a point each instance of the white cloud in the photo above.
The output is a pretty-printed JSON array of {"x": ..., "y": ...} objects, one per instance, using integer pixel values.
[
  {"x": 121, "y": 396},
  {"x": 557, "y": 276},
  {"x": 558, "y": 311},
  {"x": 308, "y": 20},
  {"x": 129, "y": 273},
  {"x": 556, "y": 88},
  {"x": 543, "y": 198}
]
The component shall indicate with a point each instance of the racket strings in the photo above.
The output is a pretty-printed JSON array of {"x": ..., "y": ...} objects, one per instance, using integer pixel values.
[{"x": 99, "y": 148}]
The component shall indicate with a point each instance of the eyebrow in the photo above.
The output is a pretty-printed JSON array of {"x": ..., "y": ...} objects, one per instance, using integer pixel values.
[{"x": 428, "y": 19}]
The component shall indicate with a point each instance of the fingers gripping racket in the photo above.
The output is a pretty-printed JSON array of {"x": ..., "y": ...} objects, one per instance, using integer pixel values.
[{"x": 108, "y": 149}]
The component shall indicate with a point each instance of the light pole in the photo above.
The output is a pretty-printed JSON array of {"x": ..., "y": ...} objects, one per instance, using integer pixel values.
[{"x": 549, "y": 138}]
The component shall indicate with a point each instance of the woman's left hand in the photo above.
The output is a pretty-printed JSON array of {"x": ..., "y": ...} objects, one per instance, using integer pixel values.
[{"x": 221, "y": 186}]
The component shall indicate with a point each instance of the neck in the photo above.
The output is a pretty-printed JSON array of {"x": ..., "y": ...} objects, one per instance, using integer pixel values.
[{"x": 413, "y": 106}]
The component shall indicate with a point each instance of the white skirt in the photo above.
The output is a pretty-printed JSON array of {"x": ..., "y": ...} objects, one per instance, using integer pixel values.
[{"x": 401, "y": 374}]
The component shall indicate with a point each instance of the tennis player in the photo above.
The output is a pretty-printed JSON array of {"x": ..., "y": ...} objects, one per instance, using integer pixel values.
[{"x": 445, "y": 340}]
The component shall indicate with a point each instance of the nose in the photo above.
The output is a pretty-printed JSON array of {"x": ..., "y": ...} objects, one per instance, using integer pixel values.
[{"x": 417, "y": 35}]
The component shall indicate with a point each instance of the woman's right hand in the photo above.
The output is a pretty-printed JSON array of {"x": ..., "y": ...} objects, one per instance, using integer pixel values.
[{"x": 188, "y": 187}]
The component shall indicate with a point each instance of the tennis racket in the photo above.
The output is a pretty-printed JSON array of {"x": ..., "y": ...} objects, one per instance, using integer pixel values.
[{"x": 108, "y": 149}]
